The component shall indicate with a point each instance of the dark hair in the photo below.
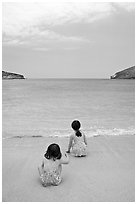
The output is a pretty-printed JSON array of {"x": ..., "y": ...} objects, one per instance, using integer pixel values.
[
  {"x": 76, "y": 126},
  {"x": 53, "y": 152}
]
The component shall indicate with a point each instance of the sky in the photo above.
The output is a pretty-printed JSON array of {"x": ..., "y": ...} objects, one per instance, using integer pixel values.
[{"x": 68, "y": 39}]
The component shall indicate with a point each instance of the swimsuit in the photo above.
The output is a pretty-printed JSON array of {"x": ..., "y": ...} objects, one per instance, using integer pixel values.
[
  {"x": 50, "y": 178},
  {"x": 79, "y": 148},
  {"x": 51, "y": 173}
]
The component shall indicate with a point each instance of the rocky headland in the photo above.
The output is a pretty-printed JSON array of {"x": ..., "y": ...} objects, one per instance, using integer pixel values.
[
  {"x": 10, "y": 75},
  {"x": 128, "y": 73}
]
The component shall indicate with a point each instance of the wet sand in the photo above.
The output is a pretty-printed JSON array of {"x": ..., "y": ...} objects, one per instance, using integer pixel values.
[{"x": 107, "y": 174}]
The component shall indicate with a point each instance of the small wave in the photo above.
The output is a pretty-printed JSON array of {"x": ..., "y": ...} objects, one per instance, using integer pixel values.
[
  {"x": 17, "y": 137},
  {"x": 37, "y": 136},
  {"x": 24, "y": 136},
  {"x": 108, "y": 132},
  {"x": 92, "y": 132}
]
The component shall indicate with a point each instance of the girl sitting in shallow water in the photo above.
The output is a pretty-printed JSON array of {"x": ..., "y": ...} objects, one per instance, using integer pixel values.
[
  {"x": 77, "y": 141},
  {"x": 50, "y": 170}
]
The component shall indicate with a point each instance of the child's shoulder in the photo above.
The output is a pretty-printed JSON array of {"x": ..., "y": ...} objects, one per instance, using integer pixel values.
[
  {"x": 82, "y": 132},
  {"x": 44, "y": 159},
  {"x": 72, "y": 136}
]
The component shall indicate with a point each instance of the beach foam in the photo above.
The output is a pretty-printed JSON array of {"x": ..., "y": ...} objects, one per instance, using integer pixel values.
[{"x": 92, "y": 132}]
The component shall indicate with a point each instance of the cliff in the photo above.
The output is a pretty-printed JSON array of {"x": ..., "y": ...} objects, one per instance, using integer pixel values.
[
  {"x": 128, "y": 73},
  {"x": 9, "y": 75}
]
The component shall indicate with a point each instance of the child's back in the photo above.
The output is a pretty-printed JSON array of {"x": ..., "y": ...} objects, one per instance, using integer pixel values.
[
  {"x": 79, "y": 148},
  {"x": 77, "y": 141},
  {"x": 50, "y": 170}
]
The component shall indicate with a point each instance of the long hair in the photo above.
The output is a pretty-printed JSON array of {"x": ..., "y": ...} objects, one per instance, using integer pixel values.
[
  {"x": 76, "y": 126},
  {"x": 53, "y": 152}
]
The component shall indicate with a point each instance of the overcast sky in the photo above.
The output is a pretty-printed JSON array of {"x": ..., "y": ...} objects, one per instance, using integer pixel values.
[{"x": 71, "y": 40}]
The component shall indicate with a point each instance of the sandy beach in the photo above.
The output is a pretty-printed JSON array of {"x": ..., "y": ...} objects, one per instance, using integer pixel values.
[{"x": 107, "y": 174}]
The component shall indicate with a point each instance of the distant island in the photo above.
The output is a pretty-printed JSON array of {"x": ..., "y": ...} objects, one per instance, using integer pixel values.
[
  {"x": 10, "y": 75},
  {"x": 128, "y": 73}
]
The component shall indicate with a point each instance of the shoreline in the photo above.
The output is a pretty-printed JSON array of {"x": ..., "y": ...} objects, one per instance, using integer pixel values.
[{"x": 107, "y": 174}]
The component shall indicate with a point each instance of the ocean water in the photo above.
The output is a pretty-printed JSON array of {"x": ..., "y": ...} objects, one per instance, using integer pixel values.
[{"x": 46, "y": 107}]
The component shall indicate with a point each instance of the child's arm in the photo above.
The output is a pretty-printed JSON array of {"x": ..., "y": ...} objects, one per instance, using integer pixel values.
[
  {"x": 42, "y": 165},
  {"x": 70, "y": 143},
  {"x": 41, "y": 168},
  {"x": 64, "y": 159},
  {"x": 85, "y": 140}
]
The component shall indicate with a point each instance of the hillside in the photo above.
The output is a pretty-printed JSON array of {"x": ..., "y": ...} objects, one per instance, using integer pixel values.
[
  {"x": 10, "y": 75},
  {"x": 128, "y": 73}
]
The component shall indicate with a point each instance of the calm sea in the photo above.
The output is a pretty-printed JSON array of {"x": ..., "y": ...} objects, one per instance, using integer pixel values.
[{"x": 46, "y": 107}]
